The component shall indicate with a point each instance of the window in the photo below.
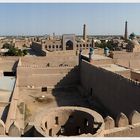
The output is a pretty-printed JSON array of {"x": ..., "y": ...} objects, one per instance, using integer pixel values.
[
  {"x": 50, "y": 132},
  {"x": 46, "y": 125},
  {"x": 56, "y": 120},
  {"x": 44, "y": 89},
  {"x": 86, "y": 122}
]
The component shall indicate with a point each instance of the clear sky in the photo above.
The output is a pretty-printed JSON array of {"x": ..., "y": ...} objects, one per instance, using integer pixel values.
[{"x": 46, "y": 18}]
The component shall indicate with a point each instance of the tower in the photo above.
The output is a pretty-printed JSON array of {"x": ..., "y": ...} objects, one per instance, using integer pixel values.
[
  {"x": 126, "y": 32},
  {"x": 84, "y": 32}
]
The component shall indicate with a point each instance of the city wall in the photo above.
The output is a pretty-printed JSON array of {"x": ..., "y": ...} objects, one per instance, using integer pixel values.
[
  {"x": 47, "y": 77},
  {"x": 127, "y": 59},
  {"x": 115, "y": 92}
]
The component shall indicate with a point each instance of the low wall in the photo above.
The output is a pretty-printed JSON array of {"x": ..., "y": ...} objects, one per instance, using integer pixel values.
[{"x": 135, "y": 75}]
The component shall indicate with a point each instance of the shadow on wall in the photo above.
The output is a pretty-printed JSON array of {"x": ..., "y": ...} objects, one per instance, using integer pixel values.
[
  {"x": 15, "y": 66},
  {"x": 5, "y": 113},
  {"x": 77, "y": 125},
  {"x": 65, "y": 90},
  {"x": 115, "y": 92}
]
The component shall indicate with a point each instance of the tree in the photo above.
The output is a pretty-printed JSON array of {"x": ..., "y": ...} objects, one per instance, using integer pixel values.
[
  {"x": 25, "y": 52},
  {"x": 7, "y": 46}
]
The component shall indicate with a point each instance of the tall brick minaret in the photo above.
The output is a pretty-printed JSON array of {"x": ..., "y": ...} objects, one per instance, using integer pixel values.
[
  {"x": 84, "y": 33},
  {"x": 126, "y": 32}
]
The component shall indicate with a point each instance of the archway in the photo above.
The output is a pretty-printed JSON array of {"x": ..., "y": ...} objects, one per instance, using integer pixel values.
[{"x": 69, "y": 45}]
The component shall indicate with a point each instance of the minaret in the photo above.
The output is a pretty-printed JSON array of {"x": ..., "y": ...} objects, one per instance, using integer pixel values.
[
  {"x": 84, "y": 32},
  {"x": 126, "y": 32}
]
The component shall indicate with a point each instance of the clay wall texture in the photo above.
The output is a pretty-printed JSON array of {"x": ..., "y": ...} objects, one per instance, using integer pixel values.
[
  {"x": 7, "y": 63},
  {"x": 39, "y": 79},
  {"x": 135, "y": 75},
  {"x": 127, "y": 59},
  {"x": 116, "y": 93}
]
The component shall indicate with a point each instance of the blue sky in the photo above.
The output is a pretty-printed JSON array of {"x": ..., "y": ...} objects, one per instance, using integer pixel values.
[{"x": 46, "y": 18}]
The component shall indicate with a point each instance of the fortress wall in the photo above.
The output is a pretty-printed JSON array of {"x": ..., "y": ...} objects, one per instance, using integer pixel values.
[
  {"x": 127, "y": 59},
  {"x": 41, "y": 79},
  {"x": 126, "y": 55},
  {"x": 130, "y": 63},
  {"x": 50, "y": 70},
  {"x": 51, "y": 60},
  {"x": 116, "y": 93}
]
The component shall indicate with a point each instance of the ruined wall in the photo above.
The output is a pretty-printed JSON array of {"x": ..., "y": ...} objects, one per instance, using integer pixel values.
[{"x": 115, "y": 93}]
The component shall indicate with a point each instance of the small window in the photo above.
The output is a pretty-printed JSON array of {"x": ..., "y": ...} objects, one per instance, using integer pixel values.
[
  {"x": 78, "y": 130},
  {"x": 50, "y": 132},
  {"x": 44, "y": 89},
  {"x": 70, "y": 118},
  {"x": 56, "y": 120},
  {"x": 86, "y": 122},
  {"x": 46, "y": 125}
]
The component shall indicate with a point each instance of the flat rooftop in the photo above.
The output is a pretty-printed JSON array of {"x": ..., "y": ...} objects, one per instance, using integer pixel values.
[{"x": 113, "y": 67}]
